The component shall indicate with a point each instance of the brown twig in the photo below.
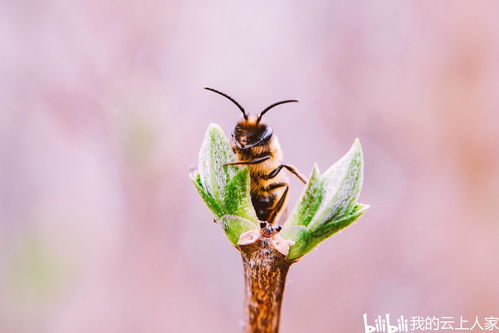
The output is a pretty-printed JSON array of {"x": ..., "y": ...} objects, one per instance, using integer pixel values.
[{"x": 265, "y": 270}]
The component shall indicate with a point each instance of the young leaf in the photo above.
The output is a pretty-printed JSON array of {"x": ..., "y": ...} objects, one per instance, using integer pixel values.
[
  {"x": 224, "y": 189},
  {"x": 237, "y": 196},
  {"x": 309, "y": 201},
  {"x": 215, "y": 152},
  {"x": 234, "y": 226},
  {"x": 300, "y": 235},
  {"x": 212, "y": 204},
  {"x": 328, "y": 229},
  {"x": 341, "y": 185}
]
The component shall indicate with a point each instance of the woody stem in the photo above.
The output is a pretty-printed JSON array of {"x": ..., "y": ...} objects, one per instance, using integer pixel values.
[{"x": 265, "y": 271}]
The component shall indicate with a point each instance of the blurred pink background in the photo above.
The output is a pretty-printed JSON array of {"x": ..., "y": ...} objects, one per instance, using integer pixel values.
[{"x": 103, "y": 113}]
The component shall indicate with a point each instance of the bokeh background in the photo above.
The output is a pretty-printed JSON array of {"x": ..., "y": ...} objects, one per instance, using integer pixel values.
[{"x": 102, "y": 113}]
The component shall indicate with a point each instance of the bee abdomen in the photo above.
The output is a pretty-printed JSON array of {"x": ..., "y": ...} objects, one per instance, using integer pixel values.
[
  {"x": 265, "y": 198},
  {"x": 263, "y": 205}
]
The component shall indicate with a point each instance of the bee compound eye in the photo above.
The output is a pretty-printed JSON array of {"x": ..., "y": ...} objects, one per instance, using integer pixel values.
[{"x": 266, "y": 134}]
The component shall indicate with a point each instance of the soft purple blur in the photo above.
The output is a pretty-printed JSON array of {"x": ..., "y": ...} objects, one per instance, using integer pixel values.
[{"x": 102, "y": 113}]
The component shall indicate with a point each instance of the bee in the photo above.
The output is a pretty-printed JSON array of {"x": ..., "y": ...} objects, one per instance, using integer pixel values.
[{"x": 257, "y": 147}]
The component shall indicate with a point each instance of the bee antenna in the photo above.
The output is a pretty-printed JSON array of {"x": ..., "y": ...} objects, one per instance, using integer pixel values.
[
  {"x": 271, "y": 106},
  {"x": 231, "y": 99}
]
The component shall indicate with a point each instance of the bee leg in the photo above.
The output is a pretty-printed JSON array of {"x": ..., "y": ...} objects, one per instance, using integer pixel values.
[
  {"x": 275, "y": 185},
  {"x": 278, "y": 207},
  {"x": 255, "y": 161},
  {"x": 267, "y": 230},
  {"x": 297, "y": 173},
  {"x": 290, "y": 168}
]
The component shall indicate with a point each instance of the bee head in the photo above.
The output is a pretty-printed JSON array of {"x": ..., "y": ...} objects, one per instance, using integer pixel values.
[{"x": 249, "y": 132}]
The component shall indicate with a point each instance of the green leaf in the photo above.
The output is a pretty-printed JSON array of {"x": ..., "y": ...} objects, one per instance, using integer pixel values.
[
  {"x": 328, "y": 203},
  {"x": 234, "y": 226},
  {"x": 224, "y": 189},
  {"x": 300, "y": 235},
  {"x": 309, "y": 201},
  {"x": 238, "y": 198},
  {"x": 215, "y": 152},
  {"x": 212, "y": 204},
  {"x": 341, "y": 185},
  {"x": 328, "y": 229}
]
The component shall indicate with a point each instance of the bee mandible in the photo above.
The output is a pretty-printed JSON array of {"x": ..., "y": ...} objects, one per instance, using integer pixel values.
[{"x": 257, "y": 147}]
